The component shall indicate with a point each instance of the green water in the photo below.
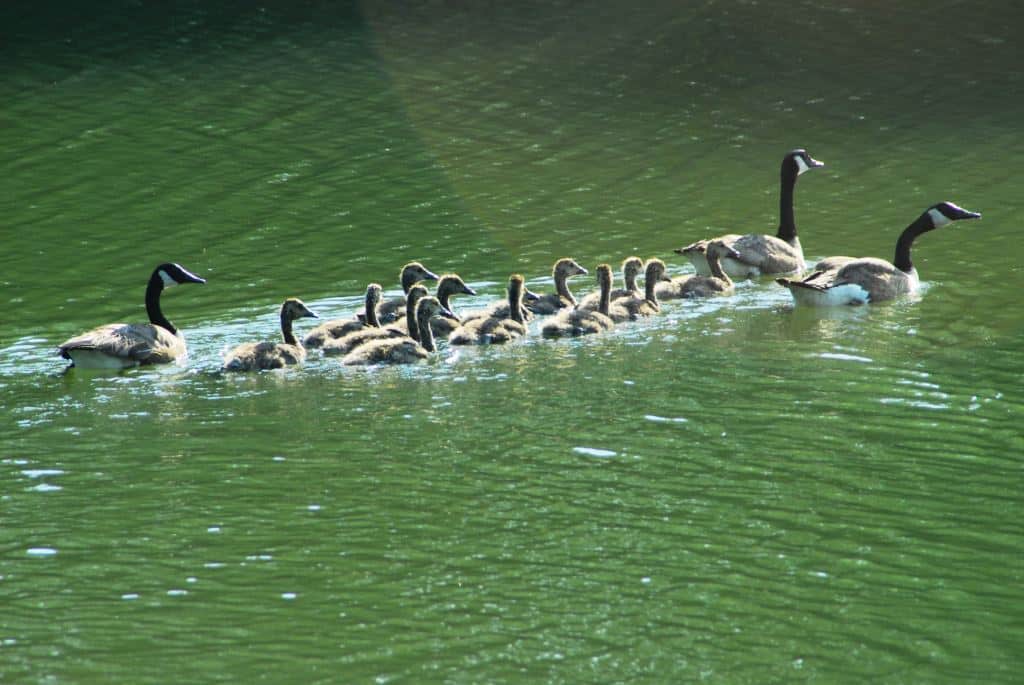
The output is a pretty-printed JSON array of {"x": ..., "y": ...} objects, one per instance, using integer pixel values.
[{"x": 735, "y": 491}]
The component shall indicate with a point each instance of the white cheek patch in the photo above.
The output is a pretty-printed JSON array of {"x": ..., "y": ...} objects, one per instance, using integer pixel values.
[
  {"x": 801, "y": 165},
  {"x": 168, "y": 281},
  {"x": 938, "y": 218}
]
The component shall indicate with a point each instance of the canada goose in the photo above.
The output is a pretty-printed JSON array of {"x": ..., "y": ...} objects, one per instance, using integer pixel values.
[
  {"x": 448, "y": 285},
  {"x": 631, "y": 268},
  {"x": 338, "y": 328},
  {"x": 582, "y": 321},
  {"x": 412, "y": 273},
  {"x": 495, "y": 329},
  {"x": 763, "y": 255},
  {"x": 549, "y": 303},
  {"x": 654, "y": 272},
  {"x": 398, "y": 329},
  {"x": 270, "y": 355},
  {"x": 868, "y": 279},
  {"x": 402, "y": 350},
  {"x": 695, "y": 285},
  {"x": 123, "y": 345}
]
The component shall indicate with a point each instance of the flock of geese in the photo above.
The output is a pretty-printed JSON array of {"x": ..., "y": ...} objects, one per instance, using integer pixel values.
[{"x": 382, "y": 335}]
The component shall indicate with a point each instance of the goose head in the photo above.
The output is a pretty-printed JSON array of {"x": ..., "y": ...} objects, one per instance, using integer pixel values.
[
  {"x": 171, "y": 274},
  {"x": 698, "y": 248},
  {"x": 799, "y": 161},
  {"x": 294, "y": 308},
  {"x": 946, "y": 213},
  {"x": 414, "y": 272}
]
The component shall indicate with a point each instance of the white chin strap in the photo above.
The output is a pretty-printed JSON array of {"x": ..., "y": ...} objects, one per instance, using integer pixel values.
[
  {"x": 801, "y": 165},
  {"x": 938, "y": 218},
  {"x": 168, "y": 281}
]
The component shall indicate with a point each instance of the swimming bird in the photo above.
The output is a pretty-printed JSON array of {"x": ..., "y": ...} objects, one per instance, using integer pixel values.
[
  {"x": 339, "y": 328},
  {"x": 448, "y": 285},
  {"x": 580, "y": 320},
  {"x": 405, "y": 349},
  {"x": 846, "y": 280},
  {"x": 398, "y": 329},
  {"x": 648, "y": 305},
  {"x": 695, "y": 285},
  {"x": 631, "y": 268},
  {"x": 549, "y": 303},
  {"x": 494, "y": 328},
  {"x": 122, "y": 345},
  {"x": 412, "y": 273},
  {"x": 763, "y": 255},
  {"x": 259, "y": 356}
]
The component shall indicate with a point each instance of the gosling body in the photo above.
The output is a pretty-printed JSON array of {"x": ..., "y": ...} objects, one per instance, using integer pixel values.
[{"x": 263, "y": 356}]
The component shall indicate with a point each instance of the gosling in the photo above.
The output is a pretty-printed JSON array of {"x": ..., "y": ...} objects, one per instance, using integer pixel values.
[{"x": 270, "y": 355}]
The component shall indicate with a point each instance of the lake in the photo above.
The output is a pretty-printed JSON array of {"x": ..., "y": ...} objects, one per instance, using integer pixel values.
[{"x": 735, "y": 491}]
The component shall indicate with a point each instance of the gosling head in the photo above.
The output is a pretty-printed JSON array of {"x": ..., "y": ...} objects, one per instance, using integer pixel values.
[
  {"x": 171, "y": 274},
  {"x": 717, "y": 249},
  {"x": 946, "y": 213},
  {"x": 604, "y": 275},
  {"x": 414, "y": 272},
  {"x": 374, "y": 291},
  {"x": 452, "y": 284},
  {"x": 632, "y": 266},
  {"x": 429, "y": 306},
  {"x": 294, "y": 308},
  {"x": 567, "y": 268},
  {"x": 655, "y": 270},
  {"x": 798, "y": 160},
  {"x": 416, "y": 293}
]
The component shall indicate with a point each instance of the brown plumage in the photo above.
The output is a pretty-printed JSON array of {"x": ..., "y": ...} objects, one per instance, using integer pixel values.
[
  {"x": 405, "y": 349},
  {"x": 263, "y": 356},
  {"x": 495, "y": 329},
  {"x": 695, "y": 285},
  {"x": 763, "y": 255},
  {"x": 631, "y": 268},
  {"x": 549, "y": 303},
  {"x": 411, "y": 274},
  {"x": 122, "y": 345},
  {"x": 339, "y": 328},
  {"x": 398, "y": 329},
  {"x": 583, "y": 321},
  {"x": 654, "y": 272}
]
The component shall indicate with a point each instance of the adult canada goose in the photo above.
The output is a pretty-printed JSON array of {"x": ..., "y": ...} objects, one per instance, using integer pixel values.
[
  {"x": 582, "y": 321},
  {"x": 846, "y": 280},
  {"x": 402, "y": 350},
  {"x": 448, "y": 285},
  {"x": 763, "y": 255},
  {"x": 695, "y": 285},
  {"x": 123, "y": 345},
  {"x": 338, "y": 328},
  {"x": 654, "y": 272},
  {"x": 398, "y": 329},
  {"x": 549, "y": 303},
  {"x": 631, "y": 268},
  {"x": 495, "y": 329},
  {"x": 270, "y": 355},
  {"x": 412, "y": 273}
]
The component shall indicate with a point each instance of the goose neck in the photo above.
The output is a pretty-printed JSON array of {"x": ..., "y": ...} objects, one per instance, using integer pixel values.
[
  {"x": 715, "y": 267},
  {"x": 286, "y": 329},
  {"x": 370, "y": 314},
  {"x": 606, "y": 296},
  {"x": 650, "y": 283},
  {"x": 562, "y": 288},
  {"x": 787, "y": 221},
  {"x": 156, "y": 315},
  {"x": 515, "y": 302},
  {"x": 901, "y": 260},
  {"x": 411, "y": 322}
]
